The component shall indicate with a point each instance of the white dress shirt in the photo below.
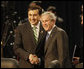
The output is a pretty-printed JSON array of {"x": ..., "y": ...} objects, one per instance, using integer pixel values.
[{"x": 49, "y": 32}]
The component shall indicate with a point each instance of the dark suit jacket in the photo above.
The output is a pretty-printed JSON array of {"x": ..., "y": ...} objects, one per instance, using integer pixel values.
[
  {"x": 25, "y": 44},
  {"x": 56, "y": 48}
]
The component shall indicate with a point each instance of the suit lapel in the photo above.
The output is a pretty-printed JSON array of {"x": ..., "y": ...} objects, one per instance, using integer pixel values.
[
  {"x": 41, "y": 33},
  {"x": 30, "y": 31},
  {"x": 41, "y": 40},
  {"x": 47, "y": 43}
]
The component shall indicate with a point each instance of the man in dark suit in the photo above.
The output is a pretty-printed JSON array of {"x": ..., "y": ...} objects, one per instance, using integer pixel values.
[
  {"x": 56, "y": 44},
  {"x": 27, "y": 39}
]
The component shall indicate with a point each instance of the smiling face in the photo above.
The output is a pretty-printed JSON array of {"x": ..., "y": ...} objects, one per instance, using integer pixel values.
[
  {"x": 47, "y": 22},
  {"x": 33, "y": 16}
]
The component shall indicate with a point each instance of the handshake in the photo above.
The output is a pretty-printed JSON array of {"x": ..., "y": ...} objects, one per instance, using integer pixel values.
[{"x": 34, "y": 59}]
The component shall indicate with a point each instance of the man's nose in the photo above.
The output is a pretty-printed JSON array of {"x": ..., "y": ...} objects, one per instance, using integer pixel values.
[{"x": 32, "y": 16}]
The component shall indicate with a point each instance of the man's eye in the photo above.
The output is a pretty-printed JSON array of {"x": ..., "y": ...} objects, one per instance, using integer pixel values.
[
  {"x": 30, "y": 15},
  {"x": 35, "y": 15}
]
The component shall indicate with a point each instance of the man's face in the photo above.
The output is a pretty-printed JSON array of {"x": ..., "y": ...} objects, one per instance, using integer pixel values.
[
  {"x": 33, "y": 16},
  {"x": 47, "y": 23}
]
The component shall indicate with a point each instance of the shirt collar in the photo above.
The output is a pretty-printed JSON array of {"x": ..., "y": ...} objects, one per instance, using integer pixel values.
[{"x": 37, "y": 26}]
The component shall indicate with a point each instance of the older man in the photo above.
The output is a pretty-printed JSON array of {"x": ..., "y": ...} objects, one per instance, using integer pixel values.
[{"x": 56, "y": 43}]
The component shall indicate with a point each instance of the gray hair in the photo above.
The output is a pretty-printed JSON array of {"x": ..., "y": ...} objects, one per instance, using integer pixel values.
[{"x": 51, "y": 15}]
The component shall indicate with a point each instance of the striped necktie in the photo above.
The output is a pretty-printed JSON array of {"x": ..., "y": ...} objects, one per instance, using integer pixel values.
[{"x": 35, "y": 33}]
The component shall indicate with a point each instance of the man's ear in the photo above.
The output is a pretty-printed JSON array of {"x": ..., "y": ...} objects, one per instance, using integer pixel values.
[{"x": 53, "y": 21}]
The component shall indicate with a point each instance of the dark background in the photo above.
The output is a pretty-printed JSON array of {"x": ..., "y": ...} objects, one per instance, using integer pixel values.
[{"x": 70, "y": 11}]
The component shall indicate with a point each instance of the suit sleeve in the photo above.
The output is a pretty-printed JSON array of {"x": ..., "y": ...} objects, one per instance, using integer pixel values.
[
  {"x": 18, "y": 45},
  {"x": 63, "y": 51}
]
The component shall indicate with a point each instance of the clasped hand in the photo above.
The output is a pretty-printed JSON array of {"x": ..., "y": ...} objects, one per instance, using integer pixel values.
[{"x": 33, "y": 59}]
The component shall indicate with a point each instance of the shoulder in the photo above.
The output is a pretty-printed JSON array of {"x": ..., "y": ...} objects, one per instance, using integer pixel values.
[
  {"x": 24, "y": 23},
  {"x": 21, "y": 26},
  {"x": 61, "y": 31}
]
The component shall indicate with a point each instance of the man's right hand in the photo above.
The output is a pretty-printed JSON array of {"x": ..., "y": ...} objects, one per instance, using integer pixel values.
[
  {"x": 75, "y": 60},
  {"x": 33, "y": 59}
]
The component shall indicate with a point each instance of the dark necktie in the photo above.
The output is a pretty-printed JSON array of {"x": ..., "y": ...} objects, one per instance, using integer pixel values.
[{"x": 47, "y": 36}]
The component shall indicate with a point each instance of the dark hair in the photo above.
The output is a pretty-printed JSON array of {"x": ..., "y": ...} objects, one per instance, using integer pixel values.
[
  {"x": 34, "y": 7},
  {"x": 36, "y": 3},
  {"x": 52, "y": 8}
]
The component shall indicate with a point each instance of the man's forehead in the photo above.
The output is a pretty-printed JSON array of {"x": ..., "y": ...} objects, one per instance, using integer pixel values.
[
  {"x": 45, "y": 16},
  {"x": 33, "y": 11}
]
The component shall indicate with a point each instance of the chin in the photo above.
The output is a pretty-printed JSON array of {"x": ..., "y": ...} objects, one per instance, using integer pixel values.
[
  {"x": 33, "y": 23},
  {"x": 46, "y": 29}
]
